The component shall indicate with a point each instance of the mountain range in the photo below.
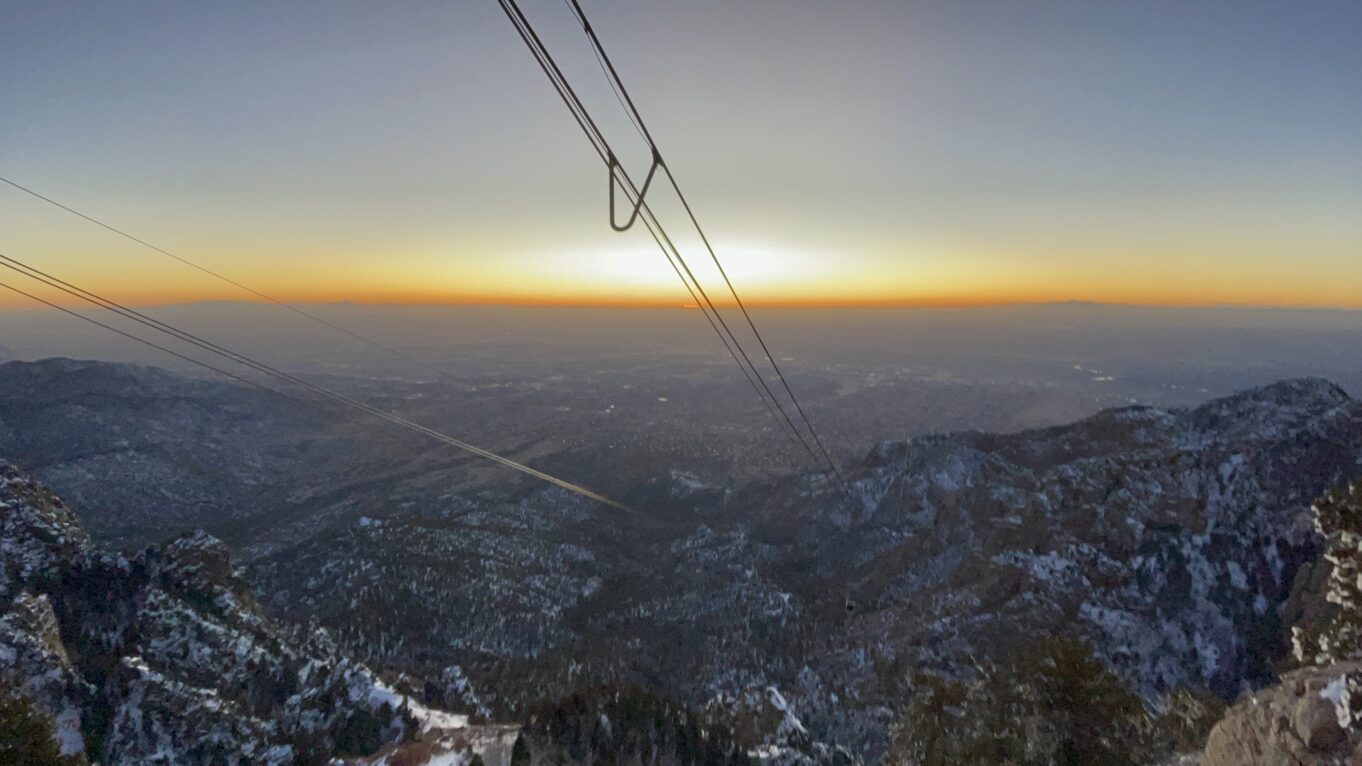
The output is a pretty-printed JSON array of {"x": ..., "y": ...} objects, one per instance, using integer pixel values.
[{"x": 788, "y": 615}]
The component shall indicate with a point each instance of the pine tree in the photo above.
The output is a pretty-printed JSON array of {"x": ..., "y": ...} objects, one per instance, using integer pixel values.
[{"x": 1093, "y": 715}]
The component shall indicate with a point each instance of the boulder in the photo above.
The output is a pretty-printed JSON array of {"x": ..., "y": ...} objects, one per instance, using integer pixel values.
[{"x": 1294, "y": 722}]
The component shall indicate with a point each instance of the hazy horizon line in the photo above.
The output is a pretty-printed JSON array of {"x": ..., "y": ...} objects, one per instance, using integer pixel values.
[{"x": 812, "y": 305}]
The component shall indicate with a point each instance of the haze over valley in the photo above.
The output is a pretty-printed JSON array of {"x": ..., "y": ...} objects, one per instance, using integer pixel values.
[{"x": 579, "y": 382}]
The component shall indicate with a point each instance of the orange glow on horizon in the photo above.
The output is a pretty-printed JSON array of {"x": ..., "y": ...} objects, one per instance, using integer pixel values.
[
  {"x": 768, "y": 277},
  {"x": 10, "y": 301}
]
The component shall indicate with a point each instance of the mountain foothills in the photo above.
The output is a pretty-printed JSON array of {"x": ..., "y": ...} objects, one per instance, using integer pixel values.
[{"x": 1095, "y": 592}]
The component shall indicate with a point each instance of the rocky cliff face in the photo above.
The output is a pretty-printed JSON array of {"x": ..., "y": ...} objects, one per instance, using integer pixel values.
[
  {"x": 1301, "y": 721},
  {"x": 164, "y": 656},
  {"x": 1314, "y": 715}
]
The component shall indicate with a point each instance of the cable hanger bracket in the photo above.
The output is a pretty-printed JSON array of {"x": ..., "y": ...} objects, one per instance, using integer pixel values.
[{"x": 613, "y": 163}]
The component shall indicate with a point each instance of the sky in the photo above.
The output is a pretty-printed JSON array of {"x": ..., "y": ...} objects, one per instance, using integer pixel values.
[{"x": 851, "y": 153}]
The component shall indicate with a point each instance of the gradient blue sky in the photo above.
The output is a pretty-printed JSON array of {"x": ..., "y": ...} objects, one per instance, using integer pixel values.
[{"x": 915, "y": 152}]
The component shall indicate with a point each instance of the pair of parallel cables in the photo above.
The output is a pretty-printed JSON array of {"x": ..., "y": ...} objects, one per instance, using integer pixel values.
[{"x": 641, "y": 210}]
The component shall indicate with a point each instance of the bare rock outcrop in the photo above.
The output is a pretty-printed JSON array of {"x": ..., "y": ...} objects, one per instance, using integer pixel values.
[{"x": 1303, "y": 720}]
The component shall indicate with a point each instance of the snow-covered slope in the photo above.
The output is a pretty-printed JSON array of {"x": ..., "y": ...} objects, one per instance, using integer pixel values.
[
  {"x": 1176, "y": 542},
  {"x": 164, "y": 656},
  {"x": 1168, "y": 539}
]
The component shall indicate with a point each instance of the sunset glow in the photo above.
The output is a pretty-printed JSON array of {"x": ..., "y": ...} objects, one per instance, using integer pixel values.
[{"x": 926, "y": 156}]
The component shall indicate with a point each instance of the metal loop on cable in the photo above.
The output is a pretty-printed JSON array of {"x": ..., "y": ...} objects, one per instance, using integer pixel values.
[{"x": 638, "y": 205}]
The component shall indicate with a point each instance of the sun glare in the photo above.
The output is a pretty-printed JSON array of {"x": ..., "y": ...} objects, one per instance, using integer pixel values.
[{"x": 761, "y": 270}]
